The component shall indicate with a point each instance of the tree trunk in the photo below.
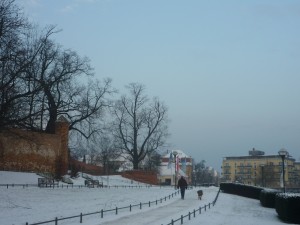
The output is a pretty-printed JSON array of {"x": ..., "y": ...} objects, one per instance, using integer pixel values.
[{"x": 135, "y": 163}]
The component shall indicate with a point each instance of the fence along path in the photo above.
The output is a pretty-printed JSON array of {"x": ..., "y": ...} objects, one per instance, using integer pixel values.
[{"x": 164, "y": 214}]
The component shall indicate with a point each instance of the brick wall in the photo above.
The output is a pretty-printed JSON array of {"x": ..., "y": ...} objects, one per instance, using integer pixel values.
[
  {"x": 87, "y": 168},
  {"x": 148, "y": 177},
  {"x": 22, "y": 150}
]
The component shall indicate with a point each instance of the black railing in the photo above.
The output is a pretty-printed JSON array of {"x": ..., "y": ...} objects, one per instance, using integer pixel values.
[{"x": 73, "y": 186}]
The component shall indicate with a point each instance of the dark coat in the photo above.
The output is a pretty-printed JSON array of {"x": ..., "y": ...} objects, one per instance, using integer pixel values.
[{"x": 182, "y": 184}]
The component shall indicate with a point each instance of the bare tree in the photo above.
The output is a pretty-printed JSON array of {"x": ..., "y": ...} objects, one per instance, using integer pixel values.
[
  {"x": 87, "y": 115},
  {"x": 57, "y": 77},
  {"x": 20, "y": 44},
  {"x": 202, "y": 174},
  {"x": 152, "y": 161},
  {"x": 99, "y": 149},
  {"x": 13, "y": 29},
  {"x": 107, "y": 153},
  {"x": 140, "y": 125},
  {"x": 55, "y": 71},
  {"x": 39, "y": 80},
  {"x": 60, "y": 73}
]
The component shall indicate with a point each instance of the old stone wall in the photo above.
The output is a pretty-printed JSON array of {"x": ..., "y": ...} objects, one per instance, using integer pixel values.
[{"x": 22, "y": 150}]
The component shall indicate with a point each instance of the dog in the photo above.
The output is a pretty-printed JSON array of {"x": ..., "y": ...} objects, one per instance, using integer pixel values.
[{"x": 200, "y": 193}]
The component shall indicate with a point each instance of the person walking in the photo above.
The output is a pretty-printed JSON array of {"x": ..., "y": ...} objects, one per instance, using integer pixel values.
[{"x": 182, "y": 184}]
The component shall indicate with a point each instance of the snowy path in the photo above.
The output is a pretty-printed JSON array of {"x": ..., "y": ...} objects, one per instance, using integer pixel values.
[
  {"x": 233, "y": 209},
  {"x": 164, "y": 214}
]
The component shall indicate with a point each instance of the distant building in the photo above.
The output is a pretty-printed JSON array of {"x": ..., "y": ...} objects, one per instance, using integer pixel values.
[
  {"x": 167, "y": 168},
  {"x": 260, "y": 169}
]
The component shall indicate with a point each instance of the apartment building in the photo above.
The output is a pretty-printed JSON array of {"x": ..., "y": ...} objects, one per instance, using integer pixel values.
[{"x": 261, "y": 170}]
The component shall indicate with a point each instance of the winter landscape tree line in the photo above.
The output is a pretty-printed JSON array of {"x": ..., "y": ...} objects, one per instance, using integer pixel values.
[{"x": 41, "y": 80}]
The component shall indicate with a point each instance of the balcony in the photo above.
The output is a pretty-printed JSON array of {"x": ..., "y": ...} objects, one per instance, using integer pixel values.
[
  {"x": 226, "y": 173},
  {"x": 244, "y": 166},
  {"x": 226, "y": 166}
]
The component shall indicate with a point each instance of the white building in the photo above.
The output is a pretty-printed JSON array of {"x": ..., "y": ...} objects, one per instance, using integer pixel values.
[{"x": 167, "y": 168}]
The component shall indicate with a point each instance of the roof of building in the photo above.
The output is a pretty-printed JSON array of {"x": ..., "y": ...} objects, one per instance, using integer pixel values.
[
  {"x": 180, "y": 154},
  {"x": 256, "y": 157}
]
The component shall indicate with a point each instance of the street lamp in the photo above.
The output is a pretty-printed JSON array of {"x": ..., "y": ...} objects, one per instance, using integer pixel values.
[
  {"x": 175, "y": 154},
  {"x": 283, "y": 154},
  {"x": 262, "y": 174}
]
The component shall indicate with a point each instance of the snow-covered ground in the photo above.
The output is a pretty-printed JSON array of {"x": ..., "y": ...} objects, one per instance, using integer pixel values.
[{"x": 19, "y": 205}]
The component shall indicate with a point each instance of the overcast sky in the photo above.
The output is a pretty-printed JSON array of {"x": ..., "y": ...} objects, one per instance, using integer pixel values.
[{"x": 228, "y": 70}]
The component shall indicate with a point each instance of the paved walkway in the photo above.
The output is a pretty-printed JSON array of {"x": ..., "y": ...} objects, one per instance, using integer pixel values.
[{"x": 163, "y": 214}]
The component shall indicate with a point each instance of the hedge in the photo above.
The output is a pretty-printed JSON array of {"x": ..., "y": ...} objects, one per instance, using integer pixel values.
[{"x": 287, "y": 206}]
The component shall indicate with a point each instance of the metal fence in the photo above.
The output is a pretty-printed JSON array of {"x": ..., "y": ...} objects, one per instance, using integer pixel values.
[
  {"x": 102, "y": 212},
  {"x": 73, "y": 186},
  {"x": 189, "y": 215}
]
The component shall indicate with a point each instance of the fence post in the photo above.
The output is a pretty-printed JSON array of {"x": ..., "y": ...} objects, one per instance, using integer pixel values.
[
  {"x": 200, "y": 210},
  {"x": 189, "y": 215},
  {"x": 149, "y": 203},
  {"x": 56, "y": 220},
  {"x": 194, "y": 213},
  {"x": 181, "y": 219},
  {"x": 209, "y": 205},
  {"x": 205, "y": 207},
  {"x": 130, "y": 208},
  {"x": 140, "y": 205},
  {"x": 156, "y": 201},
  {"x": 101, "y": 213},
  {"x": 80, "y": 217},
  {"x": 116, "y": 210},
  {"x": 172, "y": 222}
]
